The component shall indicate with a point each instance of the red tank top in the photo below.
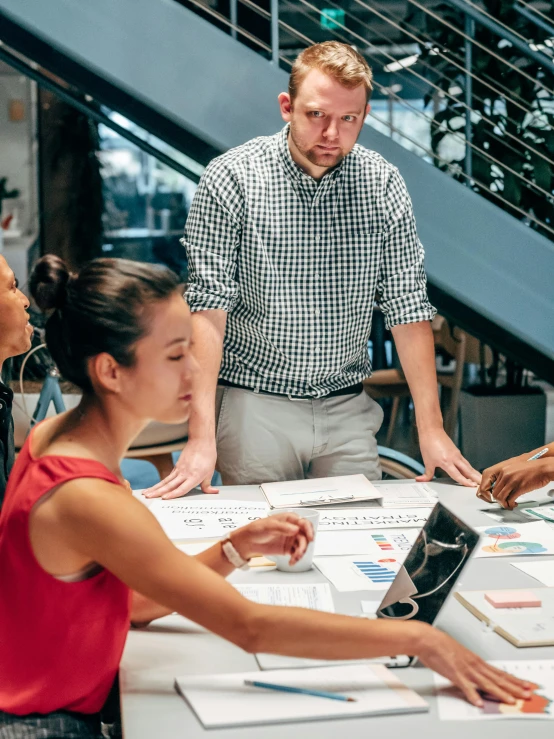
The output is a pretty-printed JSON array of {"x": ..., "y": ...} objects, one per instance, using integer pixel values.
[{"x": 60, "y": 642}]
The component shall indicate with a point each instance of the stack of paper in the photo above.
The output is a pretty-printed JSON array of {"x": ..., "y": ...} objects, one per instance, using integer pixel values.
[{"x": 222, "y": 701}]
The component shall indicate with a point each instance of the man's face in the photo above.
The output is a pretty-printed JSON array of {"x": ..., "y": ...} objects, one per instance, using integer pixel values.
[
  {"x": 15, "y": 329},
  {"x": 325, "y": 119}
]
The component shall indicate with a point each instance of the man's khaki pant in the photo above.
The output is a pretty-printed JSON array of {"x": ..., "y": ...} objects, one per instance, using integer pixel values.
[{"x": 267, "y": 438}]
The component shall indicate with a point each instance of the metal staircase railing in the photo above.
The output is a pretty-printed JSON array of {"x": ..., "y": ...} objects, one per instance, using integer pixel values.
[{"x": 506, "y": 161}]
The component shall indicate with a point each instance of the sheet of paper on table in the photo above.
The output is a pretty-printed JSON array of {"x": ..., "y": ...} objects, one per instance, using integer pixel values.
[
  {"x": 540, "y": 513},
  {"x": 370, "y": 607},
  {"x": 205, "y": 519},
  {"x": 515, "y": 539},
  {"x": 374, "y": 544},
  {"x": 316, "y": 596},
  {"x": 349, "y": 574},
  {"x": 532, "y": 511},
  {"x": 412, "y": 495},
  {"x": 350, "y": 519},
  {"x": 541, "y": 571},
  {"x": 319, "y": 491},
  {"x": 541, "y": 498},
  {"x": 221, "y": 701},
  {"x": 453, "y": 707}
]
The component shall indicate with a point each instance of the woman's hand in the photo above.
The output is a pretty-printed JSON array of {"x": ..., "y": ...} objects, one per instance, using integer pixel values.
[
  {"x": 469, "y": 672},
  {"x": 484, "y": 491},
  {"x": 514, "y": 478},
  {"x": 285, "y": 533}
]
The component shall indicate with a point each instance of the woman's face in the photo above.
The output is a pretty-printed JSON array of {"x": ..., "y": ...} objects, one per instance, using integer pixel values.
[
  {"x": 161, "y": 379},
  {"x": 15, "y": 329}
]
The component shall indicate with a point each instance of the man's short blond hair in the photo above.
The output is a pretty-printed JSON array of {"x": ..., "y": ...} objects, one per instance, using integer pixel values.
[{"x": 340, "y": 61}]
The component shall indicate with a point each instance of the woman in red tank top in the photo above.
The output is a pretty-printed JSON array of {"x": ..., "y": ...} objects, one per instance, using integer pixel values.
[{"x": 79, "y": 555}]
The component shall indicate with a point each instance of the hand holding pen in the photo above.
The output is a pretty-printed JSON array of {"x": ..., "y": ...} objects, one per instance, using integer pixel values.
[{"x": 506, "y": 481}]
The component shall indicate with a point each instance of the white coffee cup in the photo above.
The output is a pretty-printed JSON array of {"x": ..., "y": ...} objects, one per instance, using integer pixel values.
[{"x": 306, "y": 562}]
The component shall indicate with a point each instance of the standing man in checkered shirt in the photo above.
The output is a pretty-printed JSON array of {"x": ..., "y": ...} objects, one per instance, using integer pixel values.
[{"x": 290, "y": 238}]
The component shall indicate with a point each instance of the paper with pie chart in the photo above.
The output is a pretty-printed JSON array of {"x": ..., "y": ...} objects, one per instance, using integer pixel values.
[
  {"x": 515, "y": 539},
  {"x": 540, "y": 673}
]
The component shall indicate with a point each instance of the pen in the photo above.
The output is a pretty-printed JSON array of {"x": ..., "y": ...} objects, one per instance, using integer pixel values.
[
  {"x": 538, "y": 455},
  {"x": 302, "y": 691}
]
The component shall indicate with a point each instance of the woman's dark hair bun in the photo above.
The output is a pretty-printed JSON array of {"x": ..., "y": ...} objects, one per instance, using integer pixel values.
[
  {"x": 48, "y": 282},
  {"x": 105, "y": 308}
]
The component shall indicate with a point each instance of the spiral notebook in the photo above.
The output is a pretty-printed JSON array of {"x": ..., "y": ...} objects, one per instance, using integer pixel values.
[{"x": 224, "y": 701}]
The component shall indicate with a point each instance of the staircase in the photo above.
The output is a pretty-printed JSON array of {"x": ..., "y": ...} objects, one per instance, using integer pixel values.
[{"x": 203, "y": 91}]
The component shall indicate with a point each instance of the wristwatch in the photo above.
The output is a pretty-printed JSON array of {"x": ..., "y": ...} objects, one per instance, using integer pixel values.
[{"x": 233, "y": 556}]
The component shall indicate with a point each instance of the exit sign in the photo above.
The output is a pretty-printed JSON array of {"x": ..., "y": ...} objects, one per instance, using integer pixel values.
[{"x": 331, "y": 18}]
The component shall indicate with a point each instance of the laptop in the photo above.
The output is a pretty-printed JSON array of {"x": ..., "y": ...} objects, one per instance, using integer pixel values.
[{"x": 421, "y": 586}]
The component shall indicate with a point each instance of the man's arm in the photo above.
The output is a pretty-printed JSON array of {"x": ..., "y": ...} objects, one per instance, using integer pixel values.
[
  {"x": 196, "y": 464},
  {"x": 416, "y": 350},
  {"x": 402, "y": 287},
  {"x": 212, "y": 239}
]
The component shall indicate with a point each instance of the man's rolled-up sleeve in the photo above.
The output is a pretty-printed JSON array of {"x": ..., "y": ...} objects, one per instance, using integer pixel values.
[
  {"x": 402, "y": 283},
  {"x": 212, "y": 238}
]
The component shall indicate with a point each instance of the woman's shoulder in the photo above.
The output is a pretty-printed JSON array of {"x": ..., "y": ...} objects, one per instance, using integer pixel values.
[{"x": 43, "y": 436}]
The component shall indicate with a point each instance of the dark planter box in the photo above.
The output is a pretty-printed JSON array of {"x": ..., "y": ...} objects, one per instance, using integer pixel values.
[{"x": 496, "y": 427}]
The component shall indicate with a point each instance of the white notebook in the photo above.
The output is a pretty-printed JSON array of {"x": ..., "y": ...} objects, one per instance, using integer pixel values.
[
  {"x": 223, "y": 701},
  {"x": 319, "y": 491}
]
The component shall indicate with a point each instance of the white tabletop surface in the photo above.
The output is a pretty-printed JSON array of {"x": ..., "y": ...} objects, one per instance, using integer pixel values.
[{"x": 154, "y": 656}]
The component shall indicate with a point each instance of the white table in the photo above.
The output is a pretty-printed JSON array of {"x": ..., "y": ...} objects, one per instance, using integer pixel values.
[{"x": 154, "y": 656}]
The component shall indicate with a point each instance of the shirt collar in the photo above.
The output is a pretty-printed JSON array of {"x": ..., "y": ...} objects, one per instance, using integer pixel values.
[{"x": 292, "y": 168}]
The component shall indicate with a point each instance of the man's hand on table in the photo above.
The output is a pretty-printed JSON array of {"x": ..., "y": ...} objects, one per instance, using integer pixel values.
[
  {"x": 194, "y": 467},
  {"x": 438, "y": 450}
]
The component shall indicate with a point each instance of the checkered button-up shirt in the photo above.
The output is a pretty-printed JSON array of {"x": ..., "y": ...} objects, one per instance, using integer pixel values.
[{"x": 297, "y": 264}]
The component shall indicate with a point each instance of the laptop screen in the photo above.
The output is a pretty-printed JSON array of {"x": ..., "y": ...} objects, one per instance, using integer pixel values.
[{"x": 432, "y": 566}]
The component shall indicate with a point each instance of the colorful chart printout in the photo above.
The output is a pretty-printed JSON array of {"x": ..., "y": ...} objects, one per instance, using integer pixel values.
[{"x": 516, "y": 539}]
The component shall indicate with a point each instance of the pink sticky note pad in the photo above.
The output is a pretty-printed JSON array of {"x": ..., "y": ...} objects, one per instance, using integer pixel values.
[{"x": 513, "y": 599}]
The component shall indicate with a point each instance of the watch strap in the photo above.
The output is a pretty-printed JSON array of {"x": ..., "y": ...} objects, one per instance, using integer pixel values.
[{"x": 233, "y": 556}]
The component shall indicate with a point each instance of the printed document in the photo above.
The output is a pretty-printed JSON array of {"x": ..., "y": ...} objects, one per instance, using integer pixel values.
[{"x": 319, "y": 491}]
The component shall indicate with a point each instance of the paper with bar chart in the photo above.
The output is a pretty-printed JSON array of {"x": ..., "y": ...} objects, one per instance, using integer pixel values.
[{"x": 359, "y": 573}]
